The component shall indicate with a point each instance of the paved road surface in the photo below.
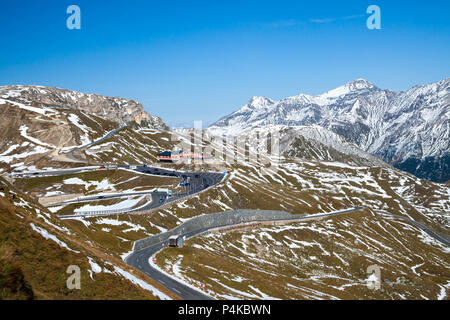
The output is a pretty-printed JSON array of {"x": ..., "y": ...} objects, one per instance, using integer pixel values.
[
  {"x": 140, "y": 260},
  {"x": 49, "y": 173},
  {"x": 418, "y": 225}
]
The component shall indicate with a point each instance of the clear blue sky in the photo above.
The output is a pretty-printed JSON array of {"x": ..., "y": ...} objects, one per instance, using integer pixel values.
[{"x": 200, "y": 60}]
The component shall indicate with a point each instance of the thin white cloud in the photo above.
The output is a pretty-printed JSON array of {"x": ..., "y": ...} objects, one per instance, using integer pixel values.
[
  {"x": 329, "y": 20},
  {"x": 293, "y": 22}
]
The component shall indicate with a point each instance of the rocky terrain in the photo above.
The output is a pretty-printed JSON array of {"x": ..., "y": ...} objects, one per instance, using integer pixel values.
[
  {"x": 118, "y": 110},
  {"x": 410, "y": 130}
]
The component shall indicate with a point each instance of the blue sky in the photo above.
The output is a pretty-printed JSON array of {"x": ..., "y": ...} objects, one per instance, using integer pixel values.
[{"x": 200, "y": 60}]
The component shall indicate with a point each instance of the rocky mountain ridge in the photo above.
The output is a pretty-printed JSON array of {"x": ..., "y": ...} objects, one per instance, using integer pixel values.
[{"x": 116, "y": 109}]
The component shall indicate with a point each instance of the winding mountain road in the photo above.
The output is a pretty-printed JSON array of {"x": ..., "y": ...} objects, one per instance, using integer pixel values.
[
  {"x": 71, "y": 155},
  {"x": 198, "y": 182},
  {"x": 141, "y": 259}
]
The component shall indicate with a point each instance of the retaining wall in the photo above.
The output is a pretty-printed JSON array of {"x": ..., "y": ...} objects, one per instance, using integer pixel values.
[{"x": 217, "y": 220}]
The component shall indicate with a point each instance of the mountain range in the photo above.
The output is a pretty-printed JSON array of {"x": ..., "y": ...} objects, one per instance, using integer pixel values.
[{"x": 409, "y": 130}]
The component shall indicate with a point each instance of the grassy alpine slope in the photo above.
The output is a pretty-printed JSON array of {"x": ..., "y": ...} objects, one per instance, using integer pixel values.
[{"x": 36, "y": 250}]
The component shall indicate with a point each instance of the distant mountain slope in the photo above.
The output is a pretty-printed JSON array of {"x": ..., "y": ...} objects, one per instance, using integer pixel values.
[
  {"x": 115, "y": 109},
  {"x": 35, "y": 135},
  {"x": 317, "y": 143},
  {"x": 410, "y": 130}
]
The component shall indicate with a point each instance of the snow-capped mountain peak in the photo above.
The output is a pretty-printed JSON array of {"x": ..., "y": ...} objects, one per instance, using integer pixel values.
[
  {"x": 360, "y": 83},
  {"x": 258, "y": 102},
  {"x": 351, "y": 87},
  {"x": 410, "y": 130}
]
